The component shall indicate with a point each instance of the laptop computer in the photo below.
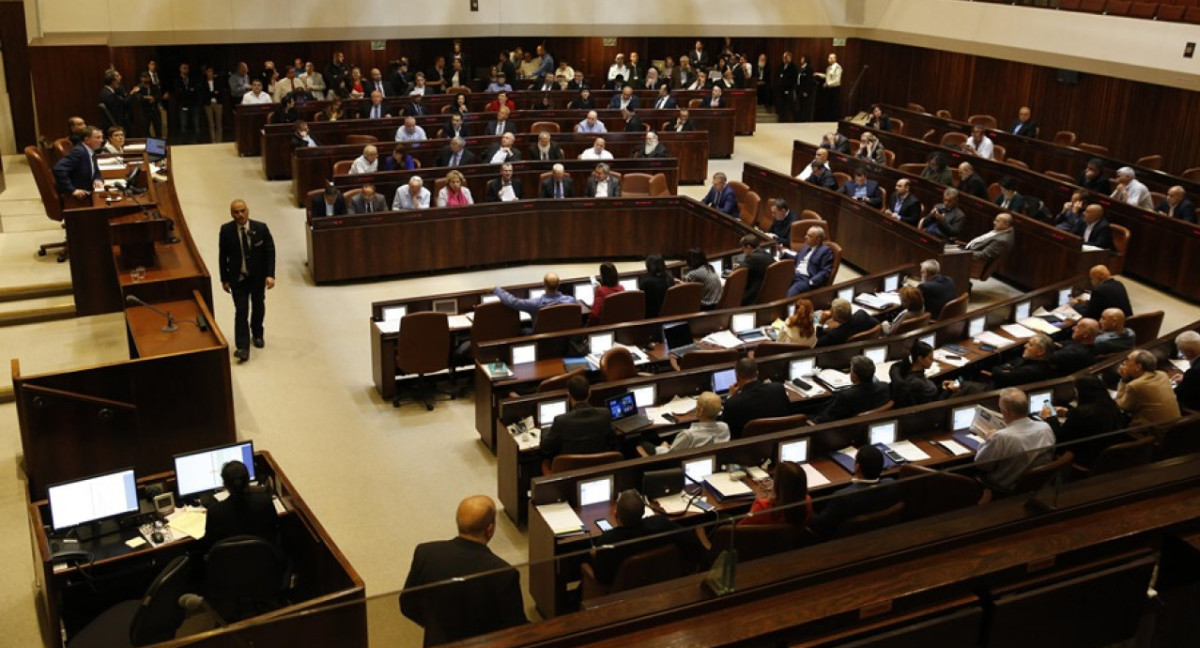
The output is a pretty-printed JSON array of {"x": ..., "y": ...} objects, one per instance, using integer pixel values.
[
  {"x": 625, "y": 413},
  {"x": 156, "y": 149},
  {"x": 678, "y": 338},
  {"x": 722, "y": 381}
]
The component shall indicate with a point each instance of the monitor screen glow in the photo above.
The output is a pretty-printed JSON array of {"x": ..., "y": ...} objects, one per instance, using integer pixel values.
[
  {"x": 600, "y": 342},
  {"x": 700, "y": 468},
  {"x": 796, "y": 451},
  {"x": 91, "y": 499},
  {"x": 742, "y": 322},
  {"x": 1021, "y": 311},
  {"x": 891, "y": 284},
  {"x": 718, "y": 266},
  {"x": 629, "y": 284},
  {"x": 547, "y": 410},
  {"x": 1038, "y": 399},
  {"x": 645, "y": 395},
  {"x": 961, "y": 418},
  {"x": 524, "y": 353},
  {"x": 394, "y": 313},
  {"x": 1064, "y": 296},
  {"x": 200, "y": 472},
  {"x": 884, "y": 433},
  {"x": 975, "y": 326},
  {"x": 931, "y": 340},
  {"x": 801, "y": 368},
  {"x": 487, "y": 299},
  {"x": 585, "y": 292},
  {"x": 723, "y": 380},
  {"x": 595, "y": 491},
  {"x": 878, "y": 354},
  {"x": 847, "y": 294},
  {"x": 537, "y": 293}
]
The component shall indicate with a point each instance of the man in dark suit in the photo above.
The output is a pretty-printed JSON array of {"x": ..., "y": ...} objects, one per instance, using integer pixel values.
[
  {"x": 822, "y": 176},
  {"x": 247, "y": 511},
  {"x": 936, "y": 288},
  {"x": 1095, "y": 231},
  {"x": 544, "y": 148},
  {"x": 505, "y": 188},
  {"x": 601, "y": 176},
  {"x": 863, "y": 189},
  {"x": 456, "y": 126},
  {"x": 77, "y": 173},
  {"x": 435, "y": 78},
  {"x": 785, "y": 89},
  {"x": 867, "y": 493},
  {"x": 368, "y": 201},
  {"x": 781, "y": 223},
  {"x": 699, "y": 57},
  {"x": 583, "y": 429},
  {"x": 1080, "y": 352},
  {"x": 750, "y": 399},
  {"x": 1010, "y": 200},
  {"x": 841, "y": 322},
  {"x": 116, "y": 101},
  {"x": 720, "y": 196},
  {"x": 715, "y": 100},
  {"x": 415, "y": 108},
  {"x": 756, "y": 260},
  {"x": 664, "y": 100},
  {"x": 473, "y": 591},
  {"x": 558, "y": 185},
  {"x": 904, "y": 205},
  {"x": 814, "y": 263},
  {"x": 328, "y": 203},
  {"x": 1032, "y": 366},
  {"x": 1024, "y": 126},
  {"x": 1177, "y": 205},
  {"x": 633, "y": 123},
  {"x": 615, "y": 545},
  {"x": 454, "y": 154},
  {"x": 1107, "y": 293},
  {"x": 246, "y": 258},
  {"x": 864, "y": 394},
  {"x": 186, "y": 102},
  {"x": 501, "y": 124},
  {"x": 1094, "y": 178},
  {"x": 374, "y": 109},
  {"x": 970, "y": 182},
  {"x": 378, "y": 84},
  {"x": 626, "y": 100},
  {"x": 1187, "y": 384},
  {"x": 681, "y": 124},
  {"x": 502, "y": 151},
  {"x": 652, "y": 148}
]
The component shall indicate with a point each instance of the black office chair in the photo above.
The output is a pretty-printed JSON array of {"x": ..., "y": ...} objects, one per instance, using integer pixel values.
[
  {"x": 152, "y": 619},
  {"x": 246, "y": 576}
]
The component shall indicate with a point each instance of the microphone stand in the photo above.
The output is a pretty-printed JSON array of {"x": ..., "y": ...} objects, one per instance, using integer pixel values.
[
  {"x": 169, "y": 327},
  {"x": 854, "y": 88},
  {"x": 722, "y": 575}
]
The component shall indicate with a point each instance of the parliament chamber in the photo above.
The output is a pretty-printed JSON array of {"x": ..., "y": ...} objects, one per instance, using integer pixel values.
[{"x": 357, "y": 483}]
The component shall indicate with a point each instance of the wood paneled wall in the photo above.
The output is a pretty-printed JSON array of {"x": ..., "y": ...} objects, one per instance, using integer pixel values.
[{"x": 16, "y": 71}]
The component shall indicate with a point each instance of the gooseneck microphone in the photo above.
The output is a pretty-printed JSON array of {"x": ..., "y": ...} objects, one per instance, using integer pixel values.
[{"x": 169, "y": 327}]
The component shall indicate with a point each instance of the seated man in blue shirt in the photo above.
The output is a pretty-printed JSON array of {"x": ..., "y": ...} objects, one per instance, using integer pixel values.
[
  {"x": 863, "y": 190},
  {"x": 532, "y": 305},
  {"x": 814, "y": 263},
  {"x": 720, "y": 196}
]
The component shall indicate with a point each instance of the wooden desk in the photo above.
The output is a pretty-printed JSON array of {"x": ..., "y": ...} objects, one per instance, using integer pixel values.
[
  {"x": 328, "y": 604},
  {"x": 249, "y": 120}
]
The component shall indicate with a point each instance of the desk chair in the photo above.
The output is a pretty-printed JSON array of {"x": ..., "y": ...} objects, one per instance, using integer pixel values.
[
  {"x": 1038, "y": 476},
  {"x": 987, "y": 121},
  {"x": 733, "y": 290},
  {"x": 808, "y": 218},
  {"x": 1017, "y": 163},
  {"x": 929, "y": 137},
  {"x": 775, "y": 424},
  {"x": 454, "y": 90},
  {"x": 559, "y": 317},
  {"x": 1150, "y": 162},
  {"x": 916, "y": 107},
  {"x": 776, "y": 281},
  {"x": 682, "y": 299},
  {"x": 748, "y": 208},
  {"x": 635, "y": 185},
  {"x": 1145, "y": 326},
  {"x": 361, "y": 139},
  {"x": 910, "y": 324},
  {"x": 617, "y": 364},
  {"x": 1064, "y": 138},
  {"x": 954, "y": 308},
  {"x": 695, "y": 103},
  {"x": 897, "y": 127},
  {"x": 889, "y": 156},
  {"x": 841, "y": 179},
  {"x": 567, "y": 462},
  {"x": 1059, "y": 176},
  {"x": 342, "y": 167},
  {"x": 914, "y": 168},
  {"x": 559, "y": 381},
  {"x": 869, "y": 334},
  {"x": 1120, "y": 236},
  {"x": 1177, "y": 438},
  {"x": 753, "y": 541},
  {"x": 1119, "y": 456},
  {"x": 704, "y": 358},
  {"x": 61, "y": 147},
  {"x": 1093, "y": 148},
  {"x": 152, "y": 619},
  {"x": 52, "y": 202},
  {"x": 953, "y": 139},
  {"x": 871, "y": 521},
  {"x": 245, "y": 576},
  {"x": 645, "y": 568},
  {"x": 547, "y": 126},
  {"x": 423, "y": 347},
  {"x": 659, "y": 186},
  {"x": 928, "y": 492},
  {"x": 1192, "y": 174},
  {"x": 625, "y": 306},
  {"x": 999, "y": 153}
]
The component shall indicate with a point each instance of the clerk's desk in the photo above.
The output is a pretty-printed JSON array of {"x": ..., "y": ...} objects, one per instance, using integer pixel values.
[
  {"x": 869, "y": 241},
  {"x": 1039, "y": 153},
  {"x": 1163, "y": 251},
  {"x": 312, "y": 166},
  {"x": 517, "y": 465},
  {"x": 477, "y": 177},
  {"x": 1041, "y": 253},
  {"x": 715, "y": 126},
  {"x": 72, "y": 596}
]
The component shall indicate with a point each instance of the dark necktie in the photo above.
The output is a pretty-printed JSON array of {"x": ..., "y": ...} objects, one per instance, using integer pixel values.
[
  {"x": 375, "y": 112},
  {"x": 544, "y": 156},
  {"x": 368, "y": 204},
  {"x": 454, "y": 160},
  {"x": 245, "y": 251},
  {"x": 558, "y": 193}
]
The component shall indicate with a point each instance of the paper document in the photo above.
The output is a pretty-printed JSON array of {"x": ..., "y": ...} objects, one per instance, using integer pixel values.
[
  {"x": 1039, "y": 324},
  {"x": 816, "y": 390},
  {"x": 1017, "y": 331},
  {"x": 955, "y": 448},
  {"x": 987, "y": 337},
  {"x": 849, "y": 451},
  {"x": 942, "y": 355},
  {"x": 110, "y": 164},
  {"x": 460, "y": 322},
  {"x": 1091, "y": 248},
  {"x": 909, "y": 451},
  {"x": 879, "y": 300},
  {"x": 189, "y": 521},
  {"x": 727, "y": 487},
  {"x": 834, "y": 378},
  {"x": 815, "y": 478},
  {"x": 1067, "y": 313},
  {"x": 675, "y": 504},
  {"x": 723, "y": 339},
  {"x": 681, "y": 405},
  {"x": 1181, "y": 364},
  {"x": 561, "y": 518}
]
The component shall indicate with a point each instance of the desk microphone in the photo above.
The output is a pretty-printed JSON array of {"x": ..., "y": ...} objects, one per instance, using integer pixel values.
[{"x": 169, "y": 327}]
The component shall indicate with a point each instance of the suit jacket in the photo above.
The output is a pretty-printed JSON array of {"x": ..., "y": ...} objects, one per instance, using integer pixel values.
[
  {"x": 513, "y": 154},
  {"x": 874, "y": 197},
  {"x": 316, "y": 206},
  {"x": 825, "y": 179},
  {"x": 463, "y": 131},
  {"x": 820, "y": 266},
  {"x": 548, "y": 187},
  {"x": 995, "y": 247},
  {"x": 493, "y": 190},
  {"x": 688, "y": 125},
  {"x": 1184, "y": 210},
  {"x": 668, "y": 103},
  {"x": 756, "y": 400},
  {"x": 1101, "y": 235},
  {"x": 415, "y": 110},
  {"x": 974, "y": 185},
  {"x": 1187, "y": 392},
  {"x": 365, "y": 111},
  {"x": 383, "y": 86},
  {"x": 614, "y": 187},
  {"x": 1022, "y": 371},
  {"x": 117, "y": 103},
  {"x": 509, "y": 127},
  {"x": 615, "y": 102},
  {"x": 76, "y": 170},
  {"x": 444, "y": 155},
  {"x": 252, "y": 513},
  {"x": 634, "y": 124},
  {"x": 185, "y": 93},
  {"x": 1072, "y": 357},
  {"x": 260, "y": 263},
  {"x": 555, "y": 152},
  {"x": 910, "y": 209},
  {"x": 721, "y": 103},
  {"x": 583, "y": 430},
  {"x": 1148, "y": 398},
  {"x": 462, "y": 608},
  {"x": 855, "y": 400},
  {"x": 1015, "y": 206},
  {"x": 724, "y": 201},
  {"x": 359, "y": 206},
  {"x": 1109, "y": 294},
  {"x": 1028, "y": 129},
  {"x": 659, "y": 151},
  {"x": 756, "y": 264},
  {"x": 858, "y": 323},
  {"x": 937, "y": 291},
  {"x": 856, "y": 499},
  {"x": 617, "y": 544}
]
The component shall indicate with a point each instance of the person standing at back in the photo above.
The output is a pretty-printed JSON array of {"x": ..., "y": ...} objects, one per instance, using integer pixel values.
[{"x": 247, "y": 263}]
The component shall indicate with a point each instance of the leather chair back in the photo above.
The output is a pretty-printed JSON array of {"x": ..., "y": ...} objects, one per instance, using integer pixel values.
[
  {"x": 456, "y": 90},
  {"x": 944, "y": 114},
  {"x": 245, "y": 576},
  {"x": 837, "y": 261},
  {"x": 1120, "y": 456},
  {"x": 648, "y": 567},
  {"x": 776, "y": 281},
  {"x": 1059, "y": 176},
  {"x": 916, "y": 107},
  {"x": 954, "y": 307},
  {"x": 872, "y": 521},
  {"x": 617, "y": 364},
  {"x": 659, "y": 186},
  {"x": 768, "y": 349},
  {"x": 61, "y": 147},
  {"x": 748, "y": 208},
  {"x": 929, "y": 135},
  {"x": 1093, "y": 148},
  {"x": 999, "y": 153},
  {"x": 1145, "y": 326},
  {"x": 800, "y": 228},
  {"x": 914, "y": 168},
  {"x": 159, "y": 614},
  {"x": 44, "y": 179},
  {"x": 889, "y": 157},
  {"x": 625, "y": 306},
  {"x": 707, "y": 357},
  {"x": 882, "y": 408},
  {"x": 1179, "y": 437},
  {"x": 635, "y": 185},
  {"x": 840, "y": 178},
  {"x": 898, "y": 125},
  {"x": 1192, "y": 174},
  {"x": 559, "y": 317},
  {"x": 682, "y": 299},
  {"x": 1064, "y": 138},
  {"x": 987, "y": 121},
  {"x": 869, "y": 334},
  {"x": 927, "y": 492},
  {"x": 774, "y": 424},
  {"x": 1120, "y": 237},
  {"x": 423, "y": 346},
  {"x": 547, "y": 126},
  {"x": 342, "y": 167},
  {"x": 733, "y": 290},
  {"x": 740, "y": 189},
  {"x": 559, "y": 381},
  {"x": 753, "y": 541},
  {"x": 1034, "y": 478},
  {"x": 567, "y": 462},
  {"x": 361, "y": 139},
  {"x": 910, "y": 324},
  {"x": 1150, "y": 162},
  {"x": 953, "y": 139}
]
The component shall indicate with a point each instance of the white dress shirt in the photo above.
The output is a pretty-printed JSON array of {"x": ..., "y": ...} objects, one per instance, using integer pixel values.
[
  {"x": 983, "y": 149},
  {"x": 417, "y": 135},
  {"x": 250, "y": 98},
  {"x": 591, "y": 154},
  {"x": 404, "y": 199},
  {"x": 362, "y": 166}
]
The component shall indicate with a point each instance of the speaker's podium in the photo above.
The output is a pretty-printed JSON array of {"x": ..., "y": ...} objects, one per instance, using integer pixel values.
[{"x": 135, "y": 235}]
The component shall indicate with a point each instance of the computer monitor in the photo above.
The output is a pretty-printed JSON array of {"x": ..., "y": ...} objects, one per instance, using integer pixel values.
[
  {"x": 1038, "y": 399},
  {"x": 447, "y": 306},
  {"x": 718, "y": 266},
  {"x": 622, "y": 406},
  {"x": 1021, "y": 311},
  {"x": 884, "y": 433},
  {"x": 92, "y": 499},
  {"x": 802, "y": 368},
  {"x": 1064, "y": 296},
  {"x": 930, "y": 339},
  {"x": 156, "y": 147},
  {"x": 585, "y": 292},
  {"x": 698, "y": 469},
  {"x": 547, "y": 410},
  {"x": 596, "y": 491},
  {"x": 524, "y": 353},
  {"x": 600, "y": 342},
  {"x": 961, "y": 417},
  {"x": 846, "y": 293},
  {"x": 877, "y": 354},
  {"x": 723, "y": 380},
  {"x": 630, "y": 283},
  {"x": 742, "y": 322},
  {"x": 537, "y": 293},
  {"x": 487, "y": 299},
  {"x": 892, "y": 283},
  {"x": 796, "y": 451},
  {"x": 976, "y": 326},
  {"x": 394, "y": 313},
  {"x": 677, "y": 334},
  {"x": 645, "y": 396},
  {"x": 200, "y": 472}
]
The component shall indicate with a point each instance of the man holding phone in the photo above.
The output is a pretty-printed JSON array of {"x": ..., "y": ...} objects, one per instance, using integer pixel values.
[{"x": 615, "y": 544}]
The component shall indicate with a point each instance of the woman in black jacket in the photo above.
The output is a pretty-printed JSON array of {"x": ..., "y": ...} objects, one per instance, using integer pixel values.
[{"x": 1087, "y": 425}]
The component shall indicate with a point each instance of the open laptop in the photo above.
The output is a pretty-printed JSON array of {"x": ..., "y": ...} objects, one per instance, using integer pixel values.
[
  {"x": 678, "y": 338},
  {"x": 625, "y": 413},
  {"x": 745, "y": 327},
  {"x": 156, "y": 149},
  {"x": 722, "y": 381}
]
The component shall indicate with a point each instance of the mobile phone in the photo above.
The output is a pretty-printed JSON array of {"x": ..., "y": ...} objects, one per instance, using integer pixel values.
[
  {"x": 603, "y": 525},
  {"x": 987, "y": 347},
  {"x": 893, "y": 455},
  {"x": 702, "y": 504}
]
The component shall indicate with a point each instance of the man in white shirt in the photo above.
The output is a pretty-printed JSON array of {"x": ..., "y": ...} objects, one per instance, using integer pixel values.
[
  {"x": 256, "y": 95},
  {"x": 832, "y": 89},
  {"x": 1131, "y": 190},
  {"x": 591, "y": 124},
  {"x": 596, "y": 152},
  {"x": 368, "y": 162},
  {"x": 287, "y": 84},
  {"x": 618, "y": 69},
  {"x": 979, "y": 144},
  {"x": 602, "y": 184},
  {"x": 1022, "y": 444},
  {"x": 414, "y": 196},
  {"x": 410, "y": 132},
  {"x": 822, "y": 156}
]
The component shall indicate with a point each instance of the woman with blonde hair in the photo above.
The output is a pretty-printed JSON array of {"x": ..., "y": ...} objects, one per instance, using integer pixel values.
[
  {"x": 454, "y": 194},
  {"x": 799, "y": 328},
  {"x": 913, "y": 302}
]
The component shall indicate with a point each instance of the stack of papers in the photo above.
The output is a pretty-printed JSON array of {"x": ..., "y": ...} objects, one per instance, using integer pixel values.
[
  {"x": 1039, "y": 324},
  {"x": 561, "y": 518},
  {"x": 879, "y": 300},
  {"x": 723, "y": 339},
  {"x": 908, "y": 450},
  {"x": 110, "y": 164},
  {"x": 188, "y": 521},
  {"x": 726, "y": 487},
  {"x": 1017, "y": 331},
  {"x": 1181, "y": 364},
  {"x": 987, "y": 337},
  {"x": 955, "y": 448},
  {"x": 942, "y": 355},
  {"x": 816, "y": 390},
  {"x": 815, "y": 478},
  {"x": 834, "y": 379},
  {"x": 677, "y": 406},
  {"x": 678, "y": 503}
]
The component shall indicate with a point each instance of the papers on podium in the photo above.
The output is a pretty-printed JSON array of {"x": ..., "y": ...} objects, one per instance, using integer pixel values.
[
  {"x": 726, "y": 487},
  {"x": 987, "y": 337},
  {"x": 561, "y": 518},
  {"x": 815, "y": 478}
]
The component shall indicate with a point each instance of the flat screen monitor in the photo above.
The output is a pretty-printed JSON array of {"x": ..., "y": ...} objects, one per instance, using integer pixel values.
[
  {"x": 645, "y": 395},
  {"x": 742, "y": 322},
  {"x": 796, "y": 451},
  {"x": 930, "y": 339},
  {"x": 802, "y": 368},
  {"x": 1038, "y": 399},
  {"x": 600, "y": 342},
  {"x": 961, "y": 417},
  {"x": 718, "y": 266},
  {"x": 92, "y": 499},
  {"x": 394, "y": 313},
  {"x": 975, "y": 326},
  {"x": 156, "y": 147},
  {"x": 698, "y": 469},
  {"x": 878, "y": 354},
  {"x": 723, "y": 380},
  {"x": 547, "y": 410},
  {"x": 487, "y": 299},
  {"x": 596, "y": 491},
  {"x": 585, "y": 292},
  {"x": 524, "y": 353},
  {"x": 447, "y": 306},
  {"x": 1064, "y": 296},
  {"x": 892, "y": 283},
  {"x": 884, "y": 433},
  {"x": 846, "y": 293},
  {"x": 677, "y": 334},
  {"x": 200, "y": 472},
  {"x": 537, "y": 293},
  {"x": 1021, "y": 311},
  {"x": 630, "y": 283}
]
